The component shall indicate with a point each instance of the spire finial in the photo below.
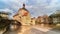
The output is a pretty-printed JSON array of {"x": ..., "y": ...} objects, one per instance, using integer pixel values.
[{"x": 23, "y": 5}]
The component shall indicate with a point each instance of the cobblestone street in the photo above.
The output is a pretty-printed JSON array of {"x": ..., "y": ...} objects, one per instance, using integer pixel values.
[{"x": 36, "y": 29}]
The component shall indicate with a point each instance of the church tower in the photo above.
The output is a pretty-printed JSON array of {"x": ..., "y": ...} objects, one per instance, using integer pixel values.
[{"x": 23, "y": 16}]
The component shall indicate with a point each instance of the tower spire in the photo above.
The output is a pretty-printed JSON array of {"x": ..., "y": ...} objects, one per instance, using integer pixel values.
[{"x": 23, "y": 5}]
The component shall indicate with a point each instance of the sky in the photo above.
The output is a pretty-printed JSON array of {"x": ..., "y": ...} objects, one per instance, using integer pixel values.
[{"x": 35, "y": 7}]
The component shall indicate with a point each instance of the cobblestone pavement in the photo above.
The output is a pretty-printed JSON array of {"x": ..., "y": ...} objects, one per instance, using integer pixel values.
[
  {"x": 19, "y": 31},
  {"x": 33, "y": 30}
]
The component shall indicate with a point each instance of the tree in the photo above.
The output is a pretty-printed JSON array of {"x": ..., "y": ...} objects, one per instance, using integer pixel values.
[{"x": 4, "y": 20}]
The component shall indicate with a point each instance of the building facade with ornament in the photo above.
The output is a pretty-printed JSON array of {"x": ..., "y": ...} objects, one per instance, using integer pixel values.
[{"x": 23, "y": 16}]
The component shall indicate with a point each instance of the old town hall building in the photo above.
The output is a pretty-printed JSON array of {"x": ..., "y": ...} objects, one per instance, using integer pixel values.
[{"x": 23, "y": 16}]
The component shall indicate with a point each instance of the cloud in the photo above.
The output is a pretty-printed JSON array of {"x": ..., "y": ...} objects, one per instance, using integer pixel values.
[
  {"x": 45, "y": 7},
  {"x": 6, "y": 10},
  {"x": 13, "y": 5},
  {"x": 53, "y": 4},
  {"x": 35, "y": 7}
]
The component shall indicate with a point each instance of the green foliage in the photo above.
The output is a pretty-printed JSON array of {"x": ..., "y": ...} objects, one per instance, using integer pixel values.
[{"x": 3, "y": 23}]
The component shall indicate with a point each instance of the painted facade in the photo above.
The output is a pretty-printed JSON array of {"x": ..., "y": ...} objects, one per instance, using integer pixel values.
[{"x": 23, "y": 16}]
